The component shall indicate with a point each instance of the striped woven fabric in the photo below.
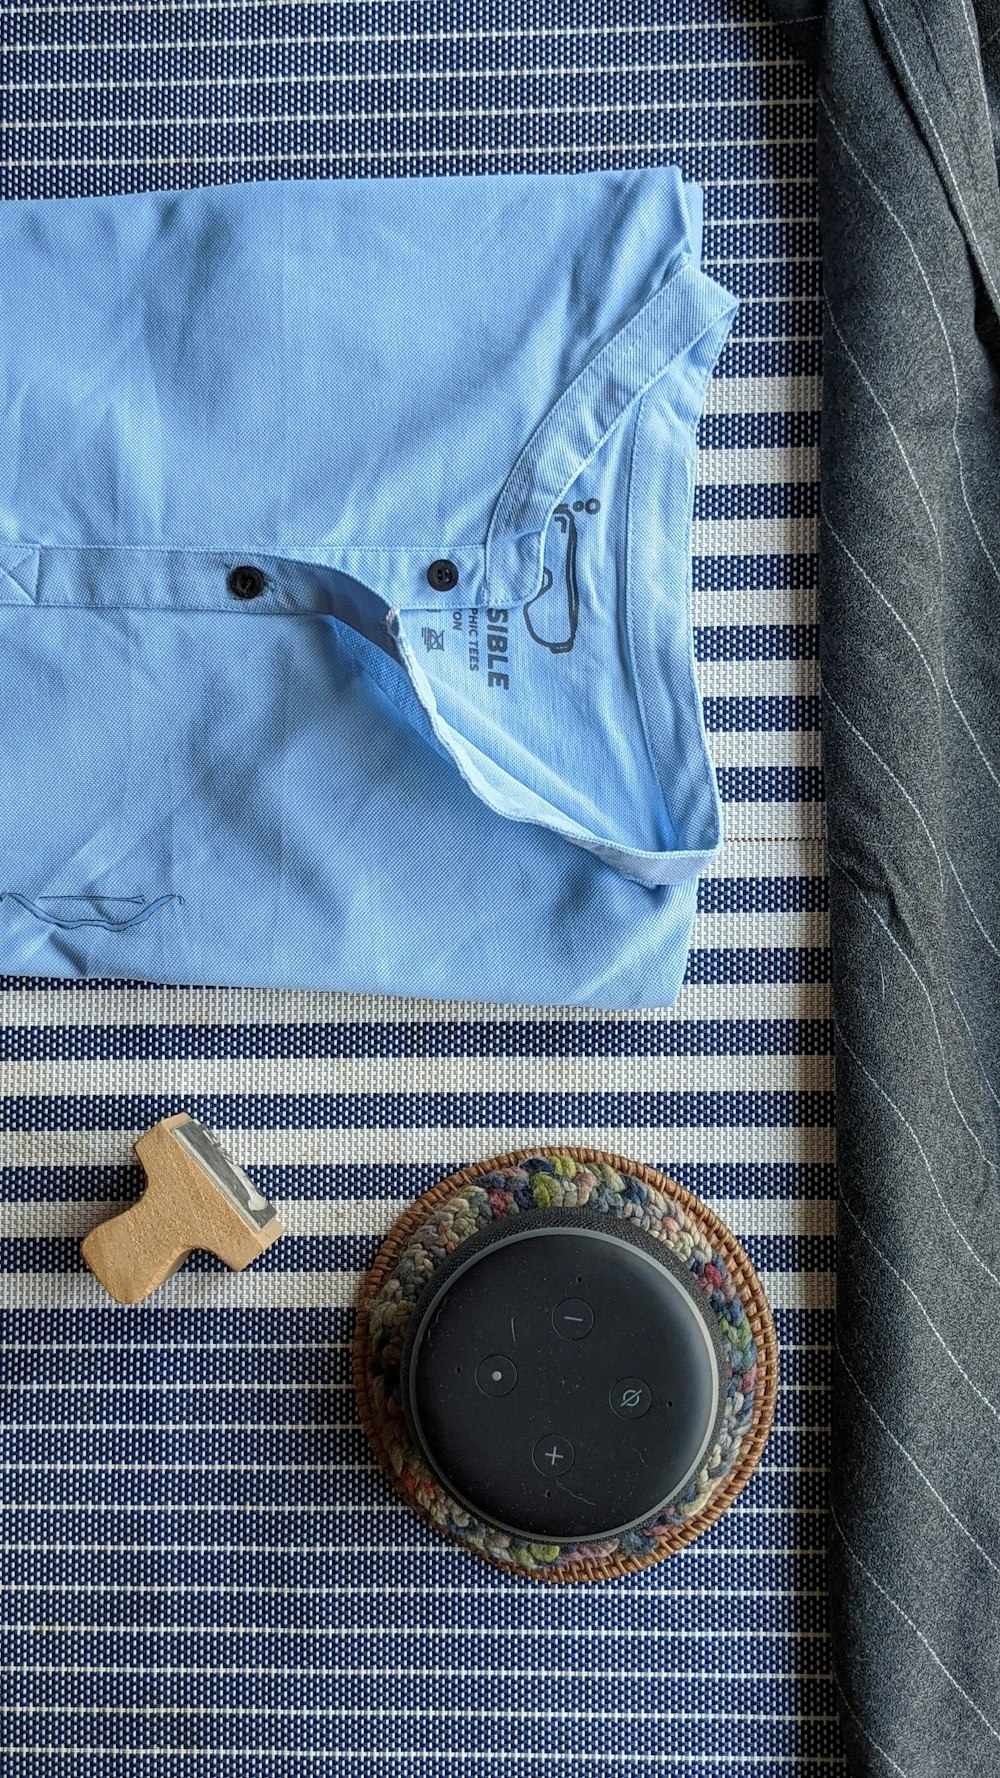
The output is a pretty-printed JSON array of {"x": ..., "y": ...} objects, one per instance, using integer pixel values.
[{"x": 203, "y": 1569}]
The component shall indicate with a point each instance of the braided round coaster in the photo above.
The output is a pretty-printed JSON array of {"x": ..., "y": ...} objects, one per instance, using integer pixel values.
[{"x": 479, "y": 1196}]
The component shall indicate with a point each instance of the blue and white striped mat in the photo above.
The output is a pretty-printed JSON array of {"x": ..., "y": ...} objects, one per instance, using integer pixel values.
[{"x": 203, "y": 1571}]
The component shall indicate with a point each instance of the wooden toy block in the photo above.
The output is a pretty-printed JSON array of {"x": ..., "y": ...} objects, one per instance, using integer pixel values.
[{"x": 195, "y": 1196}]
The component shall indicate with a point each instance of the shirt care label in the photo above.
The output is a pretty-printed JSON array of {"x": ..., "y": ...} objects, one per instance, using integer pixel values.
[{"x": 486, "y": 635}]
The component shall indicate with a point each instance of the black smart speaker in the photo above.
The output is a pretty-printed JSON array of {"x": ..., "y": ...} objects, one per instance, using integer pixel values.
[{"x": 563, "y": 1376}]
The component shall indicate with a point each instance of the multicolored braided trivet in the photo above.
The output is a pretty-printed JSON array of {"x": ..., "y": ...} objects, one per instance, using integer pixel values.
[{"x": 556, "y": 1178}]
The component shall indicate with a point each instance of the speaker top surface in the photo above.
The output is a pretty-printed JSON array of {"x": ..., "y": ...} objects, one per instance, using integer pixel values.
[
  {"x": 561, "y": 1381},
  {"x": 563, "y": 1378}
]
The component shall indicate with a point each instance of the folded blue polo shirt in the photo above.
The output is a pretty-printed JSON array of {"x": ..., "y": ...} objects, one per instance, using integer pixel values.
[{"x": 345, "y": 630}]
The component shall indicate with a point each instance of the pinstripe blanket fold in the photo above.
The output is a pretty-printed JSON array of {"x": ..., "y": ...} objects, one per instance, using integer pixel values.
[{"x": 909, "y": 581}]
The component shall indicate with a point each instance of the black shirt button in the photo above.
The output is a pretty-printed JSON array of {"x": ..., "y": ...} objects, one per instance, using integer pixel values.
[
  {"x": 442, "y": 575},
  {"x": 245, "y": 582}
]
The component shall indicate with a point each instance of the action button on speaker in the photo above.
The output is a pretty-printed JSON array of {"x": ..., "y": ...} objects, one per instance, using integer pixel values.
[
  {"x": 573, "y": 1319},
  {"x": 496, "y": 1376},
  {"x": 630, "y": 1398},
  {"x": 553, "y": 1455}
]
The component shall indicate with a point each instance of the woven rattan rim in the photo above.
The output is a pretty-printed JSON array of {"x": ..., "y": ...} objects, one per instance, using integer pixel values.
[{"x": 755, "y": 1306}]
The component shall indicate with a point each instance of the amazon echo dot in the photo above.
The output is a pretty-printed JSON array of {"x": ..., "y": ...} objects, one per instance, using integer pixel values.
[{"x": 565, "y": 1362}]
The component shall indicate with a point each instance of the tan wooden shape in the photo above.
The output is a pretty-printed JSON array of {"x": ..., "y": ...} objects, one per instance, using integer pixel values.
[{"x": 180, "y": 1209}]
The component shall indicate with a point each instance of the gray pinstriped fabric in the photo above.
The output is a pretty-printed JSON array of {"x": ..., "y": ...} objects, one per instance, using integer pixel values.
[{"x": 909, "y": 590}]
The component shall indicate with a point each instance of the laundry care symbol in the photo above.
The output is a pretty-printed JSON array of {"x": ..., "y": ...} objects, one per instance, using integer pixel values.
[
  {"x": 432, "y": 638},
  {"x": 562, "y": 611}
]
